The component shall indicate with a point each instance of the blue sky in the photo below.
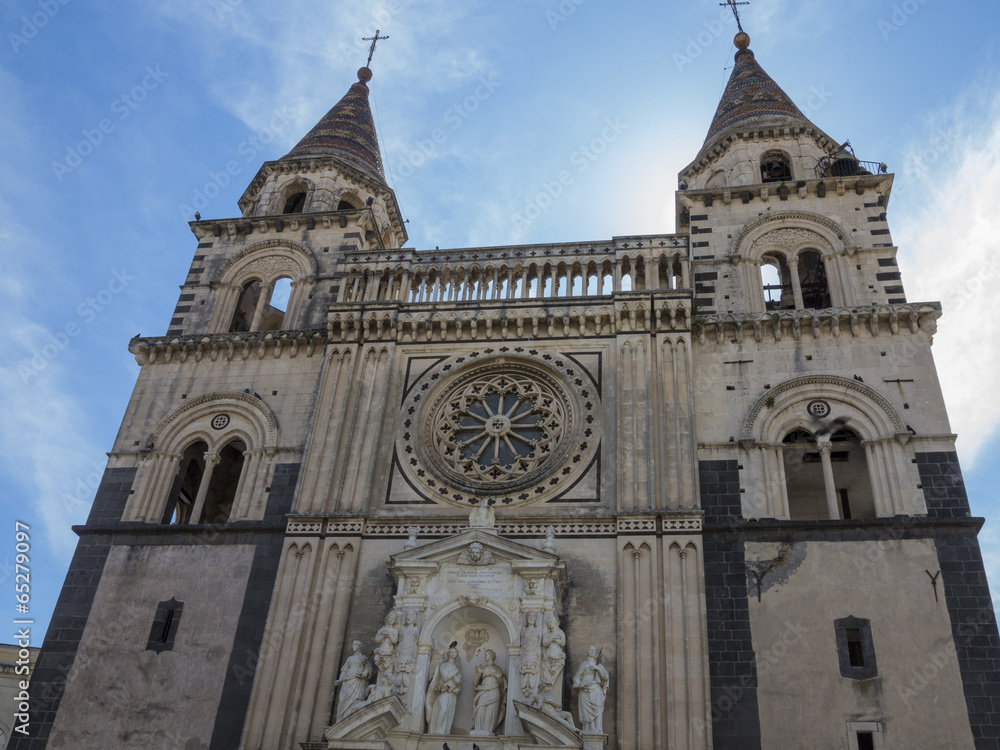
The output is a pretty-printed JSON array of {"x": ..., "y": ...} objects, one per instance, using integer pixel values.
[{"x": 119, "y": 118}]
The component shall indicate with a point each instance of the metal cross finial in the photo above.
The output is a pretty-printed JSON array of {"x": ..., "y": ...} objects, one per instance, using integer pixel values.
[
  {"x": 736, "y": 11},
  {"x": 374, "y": 40}
]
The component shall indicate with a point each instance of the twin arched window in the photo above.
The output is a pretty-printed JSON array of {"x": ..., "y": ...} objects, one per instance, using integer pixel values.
[
  {"x": 827, "y": 479},
  {"x": 208, "y": 463},
  {"x": 262, "y": 288},
  {"x": 801, "y": 284},
  {"x": 206, "y": 483},
  {"x": 262, "y": 307}
]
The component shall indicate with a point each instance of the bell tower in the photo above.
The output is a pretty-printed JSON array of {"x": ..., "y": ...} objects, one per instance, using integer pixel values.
[{"x": 829, "y": 478}]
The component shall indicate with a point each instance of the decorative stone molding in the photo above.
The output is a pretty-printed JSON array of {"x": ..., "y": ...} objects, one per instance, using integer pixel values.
[
  {"x": 636, "y": 525},
  {"x": 808, "y": 220},
  {"x": 311, "y": 528},
  {"x": 682, "y": 524},
  {"x": 808, "y": 385},
  {"x": 241, "y": 403},
  {"x": 227, "y": 346},
  {"x": 511, "y": 319},
  {"x": 853, "y": 321},
  {"x": 294, "y": 251}
]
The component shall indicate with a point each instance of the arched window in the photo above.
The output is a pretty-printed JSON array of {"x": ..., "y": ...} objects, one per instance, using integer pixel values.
[
  {"x": 804, "y": 478},
  {"x": 717, "y": 180},
  {"x": 246, "y": 307},
  {"x": 205, "y": 485},
  {"x": 261, "y": 308},
  {"x": 776, "y": 282},
  {"x": 829, "y": 479},
  {"x": 295, "y": 203},
  {"x": 273, "y": 316},
  {"x": 850, "y": 475},
  {"x": 813, "y": 281},
  {"x": 775, "y": 166},
  {"x": 221, "y": 492},
  {"x": 348, "y": 205},
  {"x": 185, "y": 489}
]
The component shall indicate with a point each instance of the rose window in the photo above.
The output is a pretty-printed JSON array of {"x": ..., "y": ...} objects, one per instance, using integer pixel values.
[{"x": 499, "y": 428}]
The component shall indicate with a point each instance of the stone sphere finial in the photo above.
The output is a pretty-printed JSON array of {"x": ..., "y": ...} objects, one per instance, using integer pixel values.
[
  {"x": 364, "y": 75},
  {"x": 742, "y": 40}
]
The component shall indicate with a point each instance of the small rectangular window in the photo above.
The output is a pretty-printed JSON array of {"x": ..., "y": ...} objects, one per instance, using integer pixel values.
[
  {"x": 865, "y": 735},
  {"x": 165, "y": 623},
  {"x": 855, "y": 648}
]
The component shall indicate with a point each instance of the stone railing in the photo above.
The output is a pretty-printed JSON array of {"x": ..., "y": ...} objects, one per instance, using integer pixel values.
[{"x": 528, "y": 272}]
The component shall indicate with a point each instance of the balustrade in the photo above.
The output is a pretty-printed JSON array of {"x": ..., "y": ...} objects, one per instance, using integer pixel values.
[{"x": 653, "y": 264}]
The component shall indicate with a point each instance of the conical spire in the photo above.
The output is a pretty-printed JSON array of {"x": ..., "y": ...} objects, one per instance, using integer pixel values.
[
  {"x": 347, "y": 132},
  {"x": 751, "y": 96}
]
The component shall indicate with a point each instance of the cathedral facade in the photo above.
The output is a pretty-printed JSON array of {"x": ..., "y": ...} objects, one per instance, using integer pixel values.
[{"x": 689, "y": 491}]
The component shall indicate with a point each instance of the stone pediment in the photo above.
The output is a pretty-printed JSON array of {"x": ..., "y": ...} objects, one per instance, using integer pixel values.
[{"x": 477, "y": 548}]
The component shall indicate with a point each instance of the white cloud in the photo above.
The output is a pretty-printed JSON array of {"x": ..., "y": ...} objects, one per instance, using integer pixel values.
[
  {"x": 47, "y": 450},
  {"x": 948, "y": 228}
]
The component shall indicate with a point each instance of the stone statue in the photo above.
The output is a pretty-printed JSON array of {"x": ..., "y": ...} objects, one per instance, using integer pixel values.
[
  {"x": 384, "y": 686},
  {"x": 550, "y": 539},
  {"x": 483, "y": 516},
  {"x": 353, "y": 682},
  {"x": 544, "y": 702},
  {"x": 406, "y": 652},
  {"x": 476, "y": 554},
  {"x": 387, "y": 637},
  {"x": 442, "y": 693},
  {"x": 411, "y": 543},
  {"x": 591, "y": 683},
  {"x": 490, "y": 686},
  {"x": 553, "y": 651},
  {"x": 531, "y": 654}
]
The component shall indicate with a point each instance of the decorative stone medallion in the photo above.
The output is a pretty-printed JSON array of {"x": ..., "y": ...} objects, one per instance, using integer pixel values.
[
  {"x": 514, "y": 424},
  {"x": 220, "y": 421},
  {"x": 819, "y": 409}
]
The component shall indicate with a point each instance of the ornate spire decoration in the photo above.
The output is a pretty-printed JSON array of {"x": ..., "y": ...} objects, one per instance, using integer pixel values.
[
  {"x": 347, "y": 131},
  {"x": 374, "y": 40},
  {"x": 731, "y": 4},
  {"x": 751, "y": 94}
]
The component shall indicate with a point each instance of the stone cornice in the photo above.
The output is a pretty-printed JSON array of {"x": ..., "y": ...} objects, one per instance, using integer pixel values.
[
  {"x": 531, "y": 527},
  {"x": 876, "y": 320},
  {"x": 499, "y": 320},
  {"x": 244, "y": 226},
  {"x": 227, "y": 346},
  {"x": 668, "y": 244},
  {"x": 691, "y": 200},
  {"x": 312, "y": 164}
]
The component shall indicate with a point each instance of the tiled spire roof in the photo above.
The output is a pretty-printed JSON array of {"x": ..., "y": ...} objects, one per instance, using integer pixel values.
[
  {"x": 752, "y": 96},
  {"x": 348, "y": 132}
]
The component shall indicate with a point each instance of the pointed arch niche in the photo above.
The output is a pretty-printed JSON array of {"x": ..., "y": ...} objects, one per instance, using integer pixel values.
[
  {"x": 262, "y": 288},
  {"x": 810, "y": 254},
  {"x": 208, "y": 463},
  {"x": 825, "y": 447}
]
